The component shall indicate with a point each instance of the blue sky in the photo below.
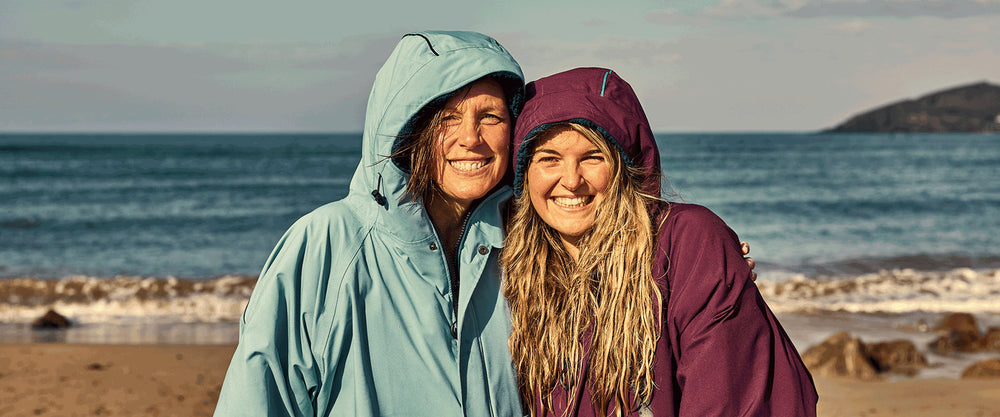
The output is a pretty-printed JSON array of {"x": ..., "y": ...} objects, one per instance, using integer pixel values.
[{"x": 248, "y": 65}]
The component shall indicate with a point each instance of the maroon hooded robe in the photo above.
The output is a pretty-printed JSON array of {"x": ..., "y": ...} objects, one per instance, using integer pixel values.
[{"x": 721, "y": 351}]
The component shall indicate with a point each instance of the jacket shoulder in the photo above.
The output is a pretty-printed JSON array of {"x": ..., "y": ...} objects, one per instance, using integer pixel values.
[
  {"x": 312, "y": 254},
  {"x": 335, "y": 216},
  {"x": 690, "y": 221},
  {"x": 695, "y": 244}
]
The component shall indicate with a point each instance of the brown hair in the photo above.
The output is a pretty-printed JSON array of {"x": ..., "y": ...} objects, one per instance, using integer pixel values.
[
  {"x": 421, "y": 151},
  {"x": 609, "y": 289}
]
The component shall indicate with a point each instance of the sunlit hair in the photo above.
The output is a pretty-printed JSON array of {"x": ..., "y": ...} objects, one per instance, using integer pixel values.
[
  {"x": 610, "y": 290},
  {"x": 421, "y": 151}
]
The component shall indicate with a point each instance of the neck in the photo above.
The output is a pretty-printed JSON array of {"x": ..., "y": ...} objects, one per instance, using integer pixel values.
[
  {"x": 446, "y": 215},
  {"x": 570, "y": 243}
]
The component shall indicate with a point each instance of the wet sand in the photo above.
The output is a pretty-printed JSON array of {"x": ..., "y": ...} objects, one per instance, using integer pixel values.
[{"x": 184, "y": 380}]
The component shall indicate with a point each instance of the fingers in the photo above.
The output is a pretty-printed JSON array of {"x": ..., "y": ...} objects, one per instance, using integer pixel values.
[
  {"x": 745, "y": 248},
  {"x": 752, "y": 264}
]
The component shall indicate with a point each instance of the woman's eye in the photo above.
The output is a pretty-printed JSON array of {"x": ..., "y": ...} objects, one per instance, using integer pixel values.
[
  {"x": 492, "y": 119},
  {"x": 450, "y": 120},
  {"x": 594, "y": 159}
]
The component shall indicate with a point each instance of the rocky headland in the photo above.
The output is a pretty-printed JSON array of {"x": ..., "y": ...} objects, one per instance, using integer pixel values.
[{"x": 973, "y": 108}]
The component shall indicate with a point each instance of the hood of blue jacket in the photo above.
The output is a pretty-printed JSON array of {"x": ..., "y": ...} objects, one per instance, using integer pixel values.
[{"x": 423, "y": 70}]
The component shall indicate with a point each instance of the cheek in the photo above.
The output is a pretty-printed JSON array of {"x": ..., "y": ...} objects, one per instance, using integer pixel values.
[
  {"x": 600, "y": 179},
  {"x": 535, "y": 187},
  {"x": 499, "y": 142}
]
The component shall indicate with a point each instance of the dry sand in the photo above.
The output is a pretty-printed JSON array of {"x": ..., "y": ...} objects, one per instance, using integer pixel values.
[
  {"x": 111, "y": 380},
  {"x": 184, "y": 380}
]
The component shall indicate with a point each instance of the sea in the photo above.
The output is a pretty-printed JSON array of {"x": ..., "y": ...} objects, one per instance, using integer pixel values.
[{"x": 158, "y": 238}]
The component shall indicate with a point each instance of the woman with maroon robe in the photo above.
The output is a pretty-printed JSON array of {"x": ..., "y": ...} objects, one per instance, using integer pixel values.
[{"x": 622, "y": 303}]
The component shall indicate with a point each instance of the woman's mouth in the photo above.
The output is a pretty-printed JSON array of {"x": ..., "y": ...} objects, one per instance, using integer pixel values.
[
  {"x": 469, "y": 165},
  {"x": 572, "y": 202}
]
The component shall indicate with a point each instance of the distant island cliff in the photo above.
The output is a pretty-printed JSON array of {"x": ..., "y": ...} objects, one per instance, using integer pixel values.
[{"x": 973, "y": 108}]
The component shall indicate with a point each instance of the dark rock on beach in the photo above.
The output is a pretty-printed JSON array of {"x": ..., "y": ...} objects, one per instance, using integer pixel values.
[
  {"x": 991, "y": 341},
  {"x": 989, "y": 368},
  {"x": 959, "y": 333},
  {"x": 973, "y": 108},
  {"x": 840, "y": 355},
  {"x": 51, "y": 320},
  {"x": 899, "y": 356},
  {"x": 843, "y": 355}
]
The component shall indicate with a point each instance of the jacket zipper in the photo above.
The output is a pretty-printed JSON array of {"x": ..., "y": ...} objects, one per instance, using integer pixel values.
[{"x": 453, "y": 263}]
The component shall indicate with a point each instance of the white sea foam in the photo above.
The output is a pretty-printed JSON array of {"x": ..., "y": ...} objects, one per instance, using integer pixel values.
[
  {"x": 126, "y": 299},
  {"x": 890, "y": 291},
  {"x": 135, "y": 299}
]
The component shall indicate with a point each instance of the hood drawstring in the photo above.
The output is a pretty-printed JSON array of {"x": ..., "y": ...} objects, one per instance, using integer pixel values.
[{"x": 379, "y": 198}]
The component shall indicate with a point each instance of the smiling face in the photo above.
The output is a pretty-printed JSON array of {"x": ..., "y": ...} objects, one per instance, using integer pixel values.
[
  {"x": 473, "y": 143},
  {"x": 566, "y": 181}
]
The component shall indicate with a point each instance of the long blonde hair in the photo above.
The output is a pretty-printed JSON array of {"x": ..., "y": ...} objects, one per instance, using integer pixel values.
[{"x": 610, "y": 293}]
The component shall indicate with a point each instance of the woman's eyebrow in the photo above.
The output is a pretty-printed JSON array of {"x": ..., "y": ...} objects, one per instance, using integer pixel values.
[{"x": 547, "y": 150}]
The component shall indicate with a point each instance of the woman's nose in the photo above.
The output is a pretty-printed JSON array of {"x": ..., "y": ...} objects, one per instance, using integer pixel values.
[
  {"x": 468, "y": 134},
  {"x": 571, "y": 178}
]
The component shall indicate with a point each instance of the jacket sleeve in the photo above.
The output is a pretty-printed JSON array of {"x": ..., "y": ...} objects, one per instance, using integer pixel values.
[
  {"x": 733, "y": 358},
  {"x": 273, "y": 372}
]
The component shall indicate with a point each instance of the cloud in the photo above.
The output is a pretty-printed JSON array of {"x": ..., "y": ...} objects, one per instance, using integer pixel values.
[
  {"x": 748, "y": 8},
  {"x": 289, "y": 86},
  {"x": 664, "y": 17},
  {"x": 852, "y": 26},
  {"x": 948, "y": 9},
  {"x": 596, "y": 22},
  {"x": 743, "y": 9}
]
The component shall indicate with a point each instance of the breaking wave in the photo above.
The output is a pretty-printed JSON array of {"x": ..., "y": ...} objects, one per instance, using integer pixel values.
[
  {"x": 126, "y": 299},
  {"x": 889, "y": 291}
]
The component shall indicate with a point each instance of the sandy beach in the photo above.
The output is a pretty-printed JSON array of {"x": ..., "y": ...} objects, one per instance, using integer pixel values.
[
  {"x": 184, "y": 380},
  {"x": 111, "y": 380}
]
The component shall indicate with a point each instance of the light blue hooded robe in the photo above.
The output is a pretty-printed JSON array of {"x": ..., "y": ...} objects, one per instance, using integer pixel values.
[{"x": 352, "y": 314}]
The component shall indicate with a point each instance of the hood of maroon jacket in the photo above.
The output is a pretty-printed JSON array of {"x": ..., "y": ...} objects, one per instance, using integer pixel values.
[{"x": 594, "y": 97}]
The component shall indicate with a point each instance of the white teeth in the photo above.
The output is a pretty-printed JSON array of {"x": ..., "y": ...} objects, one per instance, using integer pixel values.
[
  {"x": 468, "y": 165},
  {"x": 570, "y": 202}
]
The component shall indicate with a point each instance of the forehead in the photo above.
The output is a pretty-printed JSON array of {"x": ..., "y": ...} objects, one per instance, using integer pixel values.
[
  {"x": 484, "y": 91},
  {"x": 564, "y": 139}
]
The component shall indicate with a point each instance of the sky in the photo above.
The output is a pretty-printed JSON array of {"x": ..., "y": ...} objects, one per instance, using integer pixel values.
[{"x": 308, "y": 65}]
